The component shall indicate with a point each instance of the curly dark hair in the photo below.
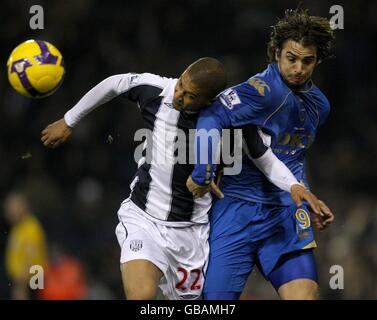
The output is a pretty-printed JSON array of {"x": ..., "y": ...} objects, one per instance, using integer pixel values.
[{"x": 299, "y": 26}]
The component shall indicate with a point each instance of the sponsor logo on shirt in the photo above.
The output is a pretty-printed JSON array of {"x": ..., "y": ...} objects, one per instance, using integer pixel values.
[
  {"x": 259, "y": 85},
  {"x": 169, "y": 105}
]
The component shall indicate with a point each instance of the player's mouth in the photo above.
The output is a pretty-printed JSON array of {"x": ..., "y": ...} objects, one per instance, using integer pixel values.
[{"x": 297, "y": 79}]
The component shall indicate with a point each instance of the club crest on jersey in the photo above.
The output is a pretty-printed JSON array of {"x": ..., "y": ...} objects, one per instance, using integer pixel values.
[
  {"x": 230, "y": 98},
  {"x": 136, "y": 245},
  {"x": 259, "y": 85}
]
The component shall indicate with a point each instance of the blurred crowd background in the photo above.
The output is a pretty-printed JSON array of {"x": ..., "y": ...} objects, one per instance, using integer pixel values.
[{"x": 76, "y": 189}]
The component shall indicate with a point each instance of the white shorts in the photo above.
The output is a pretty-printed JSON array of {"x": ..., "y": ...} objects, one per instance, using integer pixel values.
[{"x": 181, "y": 253}]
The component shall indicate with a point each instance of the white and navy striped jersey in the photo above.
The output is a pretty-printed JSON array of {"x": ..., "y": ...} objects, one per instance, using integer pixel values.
[{"x": 159, "y": 189}]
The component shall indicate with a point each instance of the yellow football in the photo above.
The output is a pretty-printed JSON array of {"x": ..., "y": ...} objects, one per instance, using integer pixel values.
[{"x": 35, "y": 68}]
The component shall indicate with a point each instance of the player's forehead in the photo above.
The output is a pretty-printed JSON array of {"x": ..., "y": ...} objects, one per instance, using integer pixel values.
[
  {"x": 298, "y": 49},
  {"x": 188, "y": 85}
]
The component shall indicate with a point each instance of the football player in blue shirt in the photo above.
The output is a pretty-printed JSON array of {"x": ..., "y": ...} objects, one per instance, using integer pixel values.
[{"x": 255, "y": 222}]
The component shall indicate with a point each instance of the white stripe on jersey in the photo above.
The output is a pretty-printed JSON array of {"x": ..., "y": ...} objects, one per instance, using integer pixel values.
[{"x": 164, "y": 133}]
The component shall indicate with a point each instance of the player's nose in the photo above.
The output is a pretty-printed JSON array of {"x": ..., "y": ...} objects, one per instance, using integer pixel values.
[{"x": 298, "y": 67}]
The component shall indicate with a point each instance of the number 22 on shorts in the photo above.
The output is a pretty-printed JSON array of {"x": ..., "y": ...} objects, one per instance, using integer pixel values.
[{"x": 189, "y": 279}]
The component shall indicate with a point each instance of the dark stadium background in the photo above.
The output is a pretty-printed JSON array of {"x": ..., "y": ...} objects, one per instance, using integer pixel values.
[{"x": 77, "y": 188}]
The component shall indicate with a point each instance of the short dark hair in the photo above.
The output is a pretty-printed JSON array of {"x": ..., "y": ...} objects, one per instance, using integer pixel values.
[
  {"x": 299, "y": 26},
  {"x": 209, "y": 75}
]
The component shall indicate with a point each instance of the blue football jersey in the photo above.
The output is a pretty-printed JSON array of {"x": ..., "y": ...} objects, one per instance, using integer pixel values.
[{"x": 287, "y": 119}]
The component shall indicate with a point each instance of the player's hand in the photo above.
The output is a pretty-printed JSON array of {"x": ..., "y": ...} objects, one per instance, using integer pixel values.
[
  {"x": 199, "y": 191},
  {"x": 55, "y": 134},
  {"x": 321, "y": 214},
  {"x": 196, "y": 189},
  {"x": 299, "y": 193},
  {"x": 322, "y": 221}
]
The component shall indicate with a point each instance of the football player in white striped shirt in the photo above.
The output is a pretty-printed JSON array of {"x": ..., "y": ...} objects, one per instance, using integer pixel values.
[{"x": 163, "y": 230}]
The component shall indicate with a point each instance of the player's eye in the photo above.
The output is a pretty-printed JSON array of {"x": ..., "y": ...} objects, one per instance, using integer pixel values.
[
  {"x": 189, "y": 95},
  {"x": 308, "y": 61},
  {"x": 291, "y": 59}
]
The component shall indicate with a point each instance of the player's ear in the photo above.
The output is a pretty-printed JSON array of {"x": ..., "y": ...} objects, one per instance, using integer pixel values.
[{"x": 277, "y": 54}]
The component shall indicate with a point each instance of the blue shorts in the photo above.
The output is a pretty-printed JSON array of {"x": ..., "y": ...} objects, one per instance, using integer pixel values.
[{"x": 246, "y": 233}]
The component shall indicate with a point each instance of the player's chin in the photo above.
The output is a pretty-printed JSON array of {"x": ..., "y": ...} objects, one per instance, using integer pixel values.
[
  {"x": 177, "y": 106},
  {"x": 296, "y": 84}
]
